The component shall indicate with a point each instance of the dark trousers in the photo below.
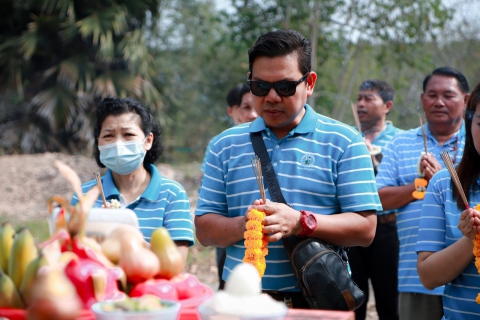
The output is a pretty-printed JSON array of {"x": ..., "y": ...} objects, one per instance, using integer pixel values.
[
  {"x": 379, "y": 263},
  {"x": 221, "y": 256}
]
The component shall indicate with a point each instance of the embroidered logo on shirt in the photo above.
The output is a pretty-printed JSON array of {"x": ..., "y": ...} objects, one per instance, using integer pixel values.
[{"x": 307, "y": 160}]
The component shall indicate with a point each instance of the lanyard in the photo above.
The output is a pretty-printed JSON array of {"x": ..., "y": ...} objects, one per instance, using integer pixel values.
[{"x": 455, "y": 150}]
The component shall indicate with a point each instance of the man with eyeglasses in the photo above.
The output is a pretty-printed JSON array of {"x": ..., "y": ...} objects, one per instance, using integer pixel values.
[
  {"x": 322, "y": 165},
  {"x": 379, "y": 261}
]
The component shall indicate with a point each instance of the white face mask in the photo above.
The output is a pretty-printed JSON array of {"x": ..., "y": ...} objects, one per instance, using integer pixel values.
[{"x": 123, "y": 157}]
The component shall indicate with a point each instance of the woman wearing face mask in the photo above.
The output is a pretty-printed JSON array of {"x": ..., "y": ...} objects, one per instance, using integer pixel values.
[{"x": 127, "y": 142}]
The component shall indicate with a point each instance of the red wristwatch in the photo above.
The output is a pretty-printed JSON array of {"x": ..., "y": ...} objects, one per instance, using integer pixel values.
[{"x": 309, "y": 223}]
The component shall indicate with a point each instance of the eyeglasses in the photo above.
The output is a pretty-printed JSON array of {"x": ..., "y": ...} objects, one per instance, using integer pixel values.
[{"x": 282, "y": 88}]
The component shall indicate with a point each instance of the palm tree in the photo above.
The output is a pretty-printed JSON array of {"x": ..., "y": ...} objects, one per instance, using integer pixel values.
[{"x": 58, "y": 58}]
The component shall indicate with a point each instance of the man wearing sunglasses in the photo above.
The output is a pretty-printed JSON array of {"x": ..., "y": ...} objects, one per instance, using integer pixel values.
[{"x": 323, "y": 168}]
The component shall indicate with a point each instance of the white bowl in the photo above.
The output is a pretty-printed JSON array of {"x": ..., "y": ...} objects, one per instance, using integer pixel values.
[
  {"x": 207, "y": 313},
  {"x": 170, "y": 311}
]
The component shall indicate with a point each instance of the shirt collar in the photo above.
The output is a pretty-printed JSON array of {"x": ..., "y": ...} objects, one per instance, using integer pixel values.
[
  {"x": 461, "y": 132},
  {"x": 151, "y": 193},
  {"x": 307, "y": 124},
  {"x": 109, "y": 187}
]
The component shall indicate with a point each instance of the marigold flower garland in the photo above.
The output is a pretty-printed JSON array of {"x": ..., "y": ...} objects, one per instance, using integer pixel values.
[
  {"x": 255, "y": 244},
  {"x": 476, "y": 252}
]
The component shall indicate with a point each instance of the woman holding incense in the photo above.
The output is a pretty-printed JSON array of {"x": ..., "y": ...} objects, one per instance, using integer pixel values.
[{"x": 449, "y": 224}]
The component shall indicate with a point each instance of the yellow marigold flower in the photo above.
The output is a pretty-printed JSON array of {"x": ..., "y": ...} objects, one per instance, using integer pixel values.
[
  {"x": 476, "y": 251},
  {"x": 477, "y": 263},
  {"x": 253, "y": 254},
  {"x": 253, "y": 243},
  {"x": 264, "y": 251},
  {"x": 254, "y": 214},
  {"x": 253, "y": 235},
  {"x": 264, "y": 241},
  {"x": 254, "y": 225}
]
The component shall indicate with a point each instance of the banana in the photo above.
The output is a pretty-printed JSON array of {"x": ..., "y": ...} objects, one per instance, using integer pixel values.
[
  {"x": 6, "y": 240},
  {"x": 9, "y": 296},
  {"x": 23, "y": 252},
  {"x": 29, "y": 277}
]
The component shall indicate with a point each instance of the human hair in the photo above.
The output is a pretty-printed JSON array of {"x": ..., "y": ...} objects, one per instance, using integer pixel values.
[
  {"x": 245, "y": 88},
  {"x": 280, "y": 43},
  {"x": 468, "y": 169},
  {"x": 233, "y": 97},
  {"x": 385, "y": 90},
  {"x": 116, "y": 106},
  {"x": 448, "y": 72}
]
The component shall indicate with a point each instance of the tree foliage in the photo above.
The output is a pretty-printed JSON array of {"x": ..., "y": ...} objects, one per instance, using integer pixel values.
[
  {"x": 59, "y": 57},
  {"x": 180, "y": 58}
]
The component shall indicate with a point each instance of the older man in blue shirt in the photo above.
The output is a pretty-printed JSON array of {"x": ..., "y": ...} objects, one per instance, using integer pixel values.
[{"x": 445, "y": 93}]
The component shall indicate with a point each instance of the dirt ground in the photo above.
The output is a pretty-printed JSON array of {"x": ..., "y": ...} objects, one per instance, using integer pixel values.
[{"x": 27, "y": 181}]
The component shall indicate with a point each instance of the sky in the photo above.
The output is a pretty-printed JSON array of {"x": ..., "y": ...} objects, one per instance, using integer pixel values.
[{"x": 469, "y": 9}]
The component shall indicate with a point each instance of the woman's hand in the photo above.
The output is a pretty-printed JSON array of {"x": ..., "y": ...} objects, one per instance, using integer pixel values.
[{"x": 469, "y": 223}]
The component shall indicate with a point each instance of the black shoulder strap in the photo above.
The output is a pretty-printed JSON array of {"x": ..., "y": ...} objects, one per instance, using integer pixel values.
[{"x": 267, "y": 168}]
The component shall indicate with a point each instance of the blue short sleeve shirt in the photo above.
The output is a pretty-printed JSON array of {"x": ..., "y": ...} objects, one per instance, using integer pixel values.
[
  {"x": 381, "y": 141},
  {"x": 322, "y": 166},
  {"x": 399, "y": 168},
  {"x": 386, "y": 135},
  {"x": 164, "y": 203},
  {"x": 438, "y": 230}
]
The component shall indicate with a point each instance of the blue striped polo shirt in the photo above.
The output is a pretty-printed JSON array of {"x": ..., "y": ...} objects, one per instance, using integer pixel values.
[
  {"x": 438, "y": 230},
  {"x": 164, "y": 203},
  {"x": 322, "y": 166},
  {"x": 386, "y": 135},
  {"x": 399, "y": 168},
  {"x": 382, "y": 140}
]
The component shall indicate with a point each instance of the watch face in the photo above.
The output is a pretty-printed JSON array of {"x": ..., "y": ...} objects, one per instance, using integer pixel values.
[{"x": 310, "y": 221}]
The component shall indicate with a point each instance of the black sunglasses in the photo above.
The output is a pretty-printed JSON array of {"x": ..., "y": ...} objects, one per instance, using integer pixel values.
[{"x": 282, "y": 88}]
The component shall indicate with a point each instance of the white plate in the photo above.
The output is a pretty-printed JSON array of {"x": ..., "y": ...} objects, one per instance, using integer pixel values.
[{"x": 169, "y": 312}]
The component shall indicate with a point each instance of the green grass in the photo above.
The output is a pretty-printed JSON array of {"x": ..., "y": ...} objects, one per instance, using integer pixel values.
[{"x": 38, "y": 227}]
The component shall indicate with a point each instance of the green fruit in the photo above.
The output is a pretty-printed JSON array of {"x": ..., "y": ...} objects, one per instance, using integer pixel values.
[
  {"x": 23, "y": 252},
  {"x": 149, "y": 302},
  {"x": 9, "y": 296},
  {"x": 30, "y": 275},
  {"x": 6, "y": 240},
  {"x": 171, "y": 260}
]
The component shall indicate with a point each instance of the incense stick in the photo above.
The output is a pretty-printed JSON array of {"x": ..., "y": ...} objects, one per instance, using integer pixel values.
[
  {"x": 424, "y": 134},
  {"x": 257, "y": 170},
  {"x": 99, "y": 183},
  {"x": 448, "y": 162},
  {"x": 355, "y": 117}
]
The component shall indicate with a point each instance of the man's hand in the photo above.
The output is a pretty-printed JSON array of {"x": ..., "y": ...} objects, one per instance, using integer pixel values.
[
  {"x": 280, "y": 221},
  {"x": 429, "y": 165}
]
